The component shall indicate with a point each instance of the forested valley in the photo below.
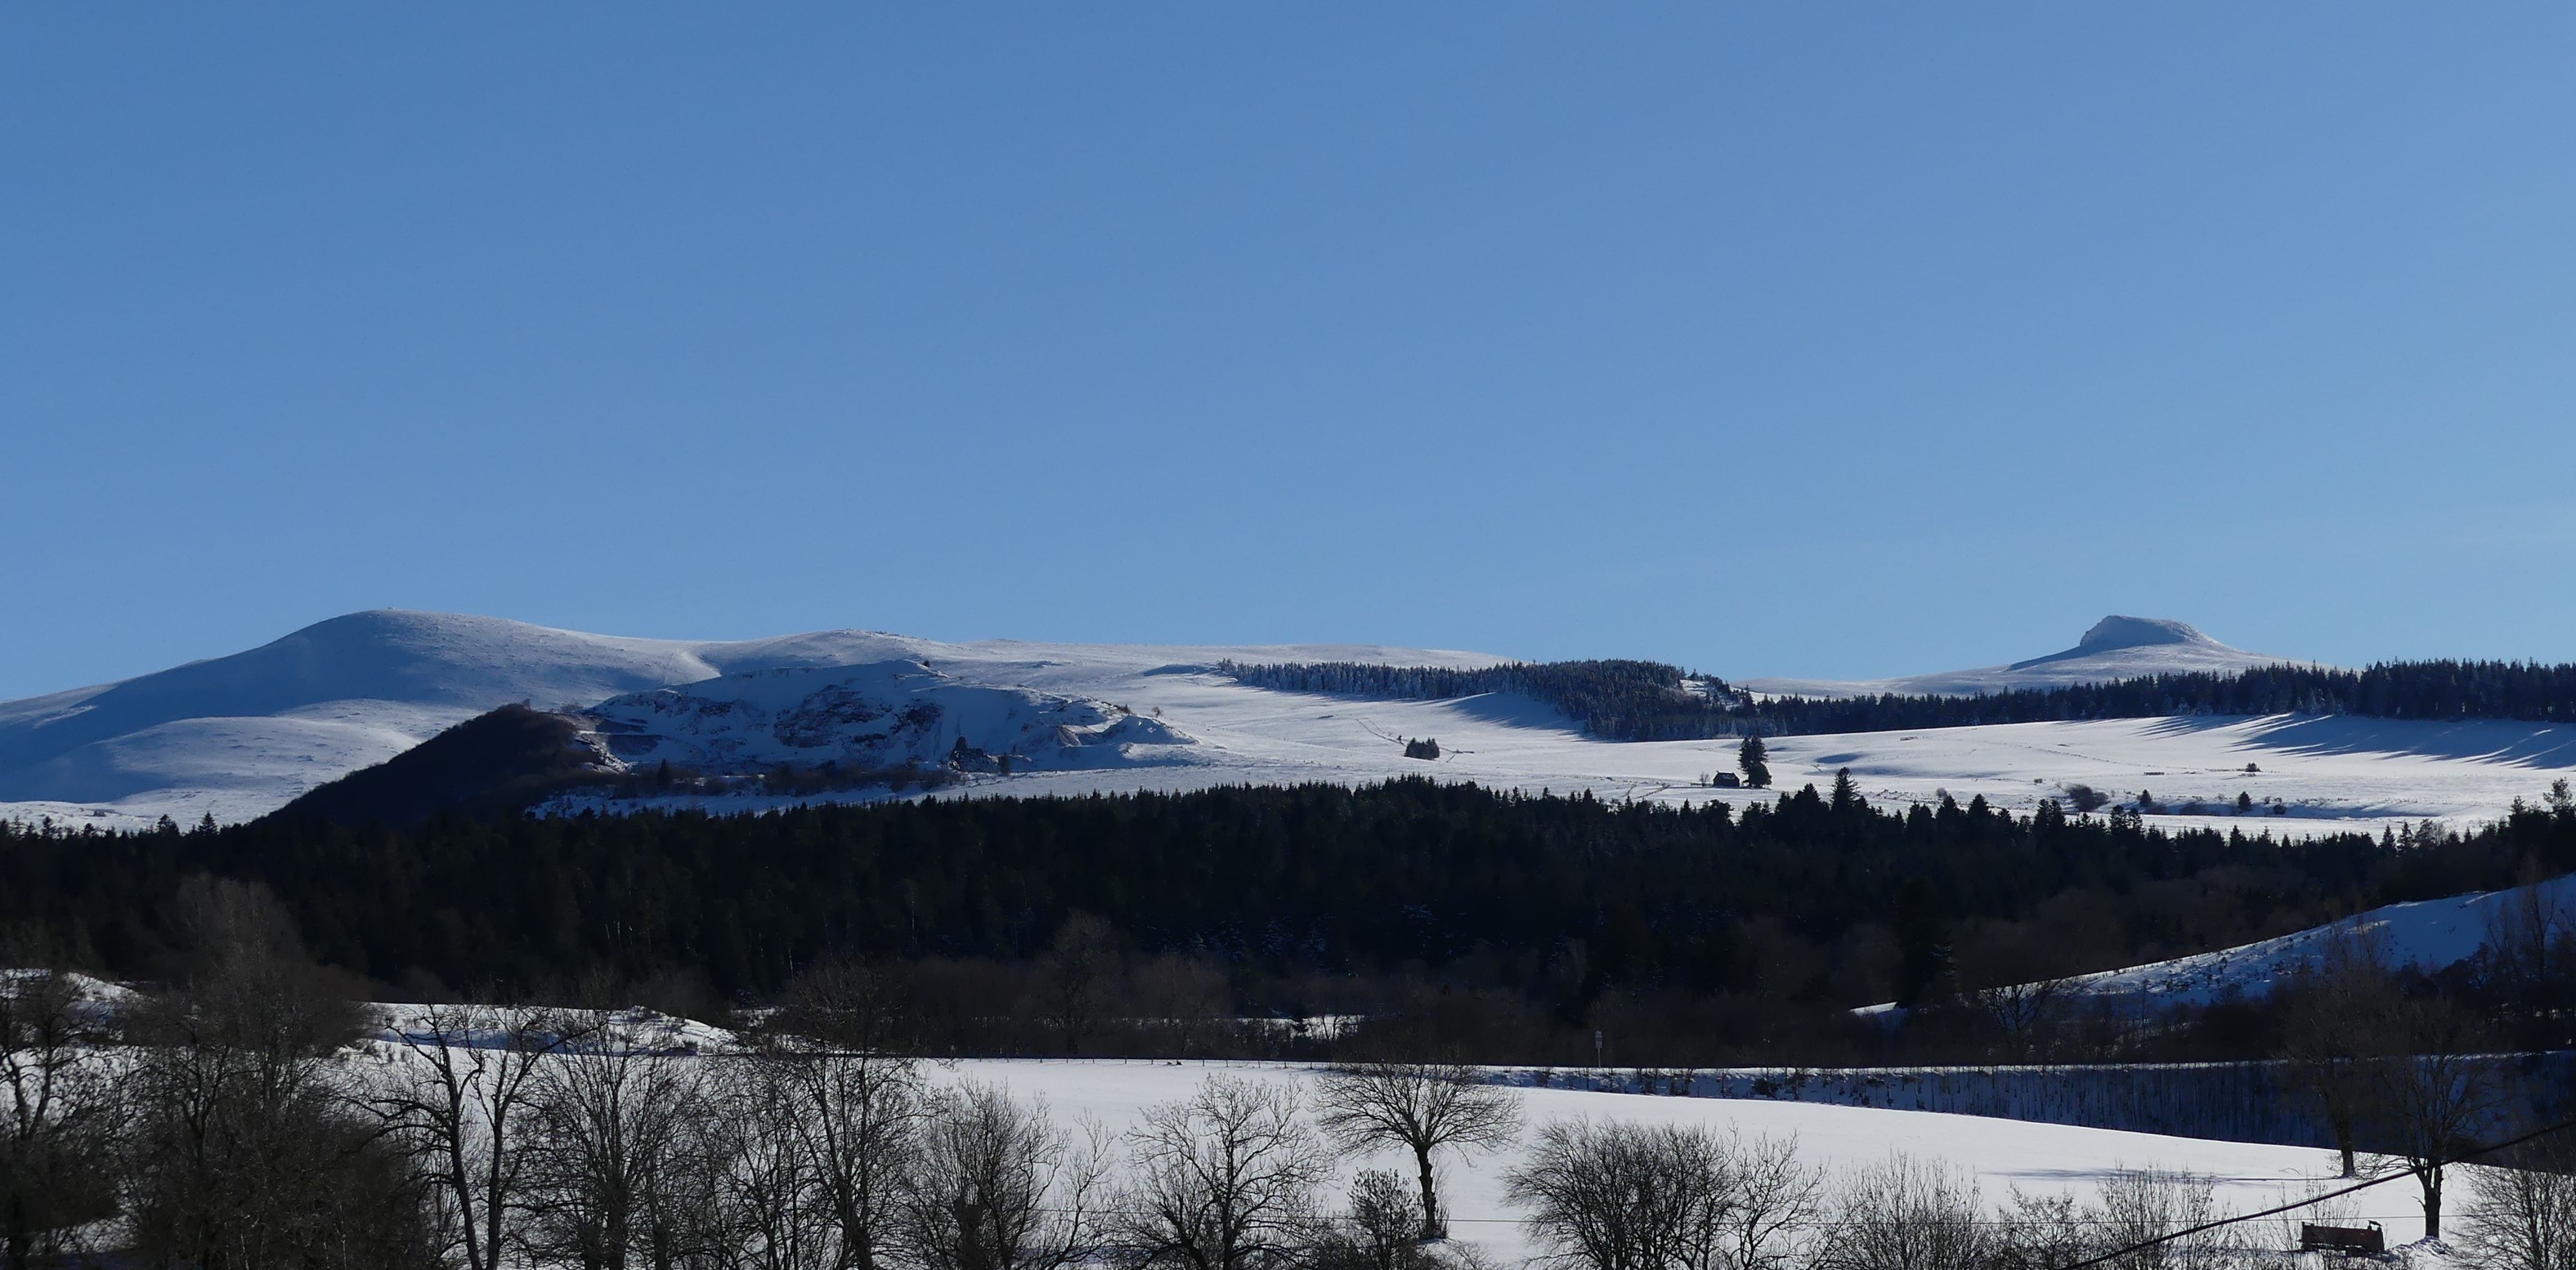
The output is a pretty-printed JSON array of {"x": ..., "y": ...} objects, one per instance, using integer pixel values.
[{"x": 1314, "y": 920}]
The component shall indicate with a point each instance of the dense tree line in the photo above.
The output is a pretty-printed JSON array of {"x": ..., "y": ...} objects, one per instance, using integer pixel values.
[
  {"x": 1623, "y": 700},
  {"x": 1513, "y": 924},
  {"x": 1649, "y": 701}
]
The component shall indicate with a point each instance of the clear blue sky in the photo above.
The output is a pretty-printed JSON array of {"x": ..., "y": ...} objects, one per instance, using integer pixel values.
[{"x": 1796, "y": 339}]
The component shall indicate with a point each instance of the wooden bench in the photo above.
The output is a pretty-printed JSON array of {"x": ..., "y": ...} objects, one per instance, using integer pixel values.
[{"x": 2343, "y": 1239}]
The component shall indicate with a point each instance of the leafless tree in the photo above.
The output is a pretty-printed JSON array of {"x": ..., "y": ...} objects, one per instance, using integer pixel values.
[
  {"x": 2139, "y": 1205},
  {"x": 1772, "y": 1197},
  {"x": 611, "y": 1161},
  {"x": 2436, "y": 1094},
  {"x": 2529, "y": 955},
  {"x": 1902, "y": 1213},
  {"x": 1422, "y": 1108},
  {"x": 1382, "y": 1228},
  {"x": 1182, "y": 997},
  {"x": 2521, "y": 1213},
  {"x": 55, "y": 1170},
  {"x": 766, "y": 1192},
  {"x": 2041, "y": 1232},
  {"x": 244, "y": 1149},
  {"x": 1613, "y": 1195},
  {"x": 1078, "y": 968},
  {"x": 461, "y": 1096},
  {"x": 2336, "y": 1031},
  {"x": 1225, "y": 1180},
  {"x": 858, "y": 1099},
  {"x": 996, "y": 1185},
  {"x": 858, "y": 1116},
  {"x": 2022, "y": 1012}
]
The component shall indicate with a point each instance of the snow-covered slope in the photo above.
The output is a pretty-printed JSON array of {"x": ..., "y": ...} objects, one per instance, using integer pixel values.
[
  {"x": 2428, "y": 934},
  {"x": 2115, "y": 648}
]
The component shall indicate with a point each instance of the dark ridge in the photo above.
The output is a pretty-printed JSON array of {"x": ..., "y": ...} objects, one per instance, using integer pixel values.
[{"x": 490, "y": 765}]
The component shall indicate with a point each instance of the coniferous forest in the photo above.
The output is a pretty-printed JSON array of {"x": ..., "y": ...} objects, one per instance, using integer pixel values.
[
  {"x": 1512, "y": 925},
  {"x": 1651, "y": 701}
]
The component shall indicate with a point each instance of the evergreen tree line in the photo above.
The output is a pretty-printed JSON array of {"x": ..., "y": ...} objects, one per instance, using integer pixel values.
[
  {"x": 1505, "y": 926},
  {"x": 1650, "y": 701},
  {"x": 1620, "y": 699}
]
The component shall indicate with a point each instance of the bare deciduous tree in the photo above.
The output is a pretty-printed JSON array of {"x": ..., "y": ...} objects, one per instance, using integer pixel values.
[
  {"x": 1902, "y": 1213},
  {"x": 2041, "y": 1232},
  {"x": 2435, "y": 1095},
  {"x": 1182, "y": 997},
  {"x": 1612, "y": 1195},
  {"x": 769, "y": 1213},
  {"x": 859, "y": 1100},
  {"x": 858, "y": 1114},
  {"x": 1772, "y": 1197},
  {"x": 2142, "y": 1205},
  {"x": 55, "y": 1171},
  {"x": 2521, "y": 1213},
  {"x": 1225, "y": 1180},
  {"x": 1422, "y": 1108},
  {"x": 1382, "y": 1228},
  {"x": 461, "y": 1098},
  {"x": 1078, "y": 968},
  {"x": 996, "y": 1185},
  {"x": 2022, "y": 1013},
  {"x": 2335, "y": 1032},
  {"x": 245, "y": 1150},
  {"x": 610, "y": 1164}
]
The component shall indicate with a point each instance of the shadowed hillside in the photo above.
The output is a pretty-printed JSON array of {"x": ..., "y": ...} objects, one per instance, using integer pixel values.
[{"x": 488, "y": 765}]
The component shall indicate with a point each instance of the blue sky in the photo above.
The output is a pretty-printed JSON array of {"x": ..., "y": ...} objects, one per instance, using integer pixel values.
[{"x": 1823, "y": 340}]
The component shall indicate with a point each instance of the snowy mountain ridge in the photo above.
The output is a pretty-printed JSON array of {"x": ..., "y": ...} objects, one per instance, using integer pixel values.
[
  {"x": 2117, "y": 647},
  {"x": 239, "y": 736}
]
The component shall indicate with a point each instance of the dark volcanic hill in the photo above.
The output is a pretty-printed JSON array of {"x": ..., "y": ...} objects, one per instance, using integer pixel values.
[{"x": 491, "y": 764}]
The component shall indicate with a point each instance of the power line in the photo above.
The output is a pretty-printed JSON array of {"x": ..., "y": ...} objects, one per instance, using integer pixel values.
[{"x": 2461, "y": 1158}]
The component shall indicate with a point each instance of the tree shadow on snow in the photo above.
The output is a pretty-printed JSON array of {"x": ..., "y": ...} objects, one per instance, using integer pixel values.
[{"x": 2502, "y": 741}]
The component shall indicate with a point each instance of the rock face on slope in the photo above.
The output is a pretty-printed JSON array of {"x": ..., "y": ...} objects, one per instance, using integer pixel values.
[{"x": 873, "y": 717}]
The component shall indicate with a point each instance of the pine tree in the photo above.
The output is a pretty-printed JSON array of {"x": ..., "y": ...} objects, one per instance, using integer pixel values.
[{"x": 1753, "y": 758}]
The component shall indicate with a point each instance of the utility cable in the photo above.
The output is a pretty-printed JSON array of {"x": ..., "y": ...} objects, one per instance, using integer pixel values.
[{"x": 2461, "y": 1158}]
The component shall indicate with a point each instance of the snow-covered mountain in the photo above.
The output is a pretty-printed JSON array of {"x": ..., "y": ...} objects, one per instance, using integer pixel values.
[
  {"x": 239, "y": 736},
  {"x": 2115, "y": 648}
]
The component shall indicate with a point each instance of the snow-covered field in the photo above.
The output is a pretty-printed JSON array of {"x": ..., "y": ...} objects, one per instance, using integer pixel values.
[
  {"x": 2330, "y": 774},
  {"x": 2003, "y": 1155},
  {"x": 238, "y": 736}
]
